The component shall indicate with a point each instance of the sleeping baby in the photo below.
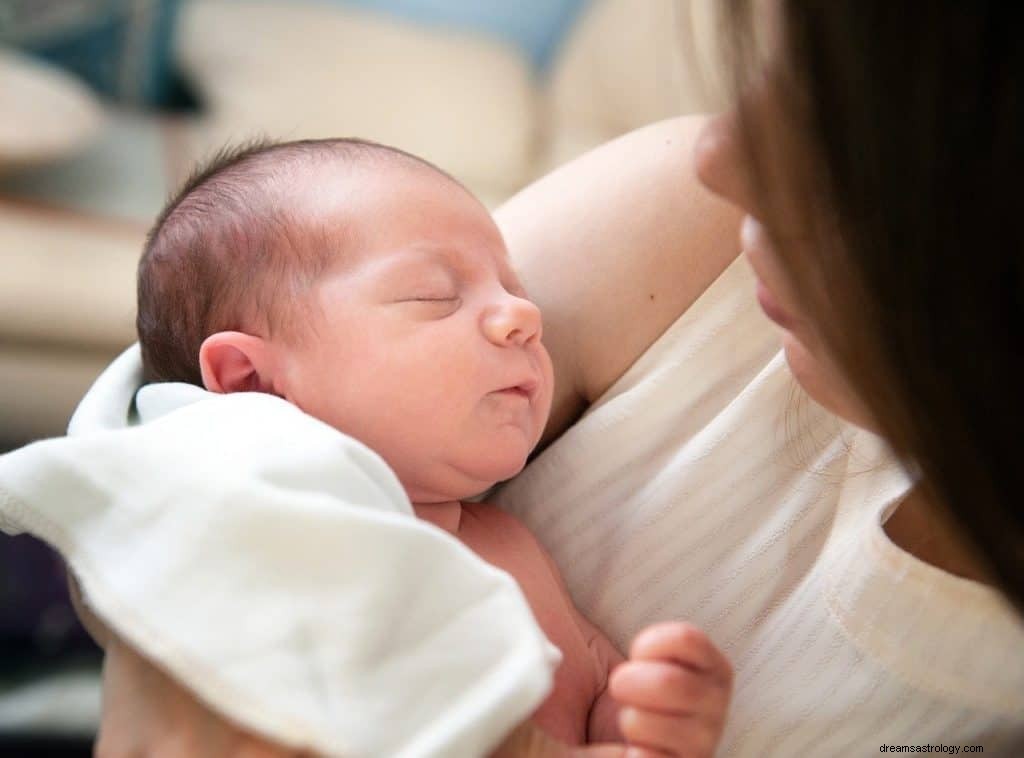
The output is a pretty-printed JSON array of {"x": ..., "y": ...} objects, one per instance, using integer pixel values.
[{"x": 373, "y": 291}]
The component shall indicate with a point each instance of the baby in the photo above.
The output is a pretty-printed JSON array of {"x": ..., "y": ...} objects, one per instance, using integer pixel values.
[{"x": 374, "y": 292}]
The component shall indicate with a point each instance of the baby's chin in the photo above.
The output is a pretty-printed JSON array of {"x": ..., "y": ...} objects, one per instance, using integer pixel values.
[
  {"x": 500, "y": 462},
  {"x": 465, "y": 479}
]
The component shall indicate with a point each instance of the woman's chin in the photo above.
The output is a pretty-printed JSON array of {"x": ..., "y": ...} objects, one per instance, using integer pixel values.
[{"x": 823, "y": 383}]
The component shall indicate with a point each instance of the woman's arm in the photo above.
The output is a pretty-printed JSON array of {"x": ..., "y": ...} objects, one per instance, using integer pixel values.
[
  {"x": 146, "y": 712},
  {"x": 613, "y": 247}
]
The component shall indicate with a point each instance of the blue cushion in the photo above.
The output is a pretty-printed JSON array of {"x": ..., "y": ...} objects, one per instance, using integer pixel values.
[
  {"x": 122, "y": 48},
  {"x": 535, "y": 26}
]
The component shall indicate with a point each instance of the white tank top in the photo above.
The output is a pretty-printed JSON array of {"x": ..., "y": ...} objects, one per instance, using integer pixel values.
[{"x": 704, "y": 485}]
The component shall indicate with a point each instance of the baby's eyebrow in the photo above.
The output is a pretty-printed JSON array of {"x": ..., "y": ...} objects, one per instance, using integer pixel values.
[
  {"x": 449, "y": 258},
  {"x": 407, "y": 262}
]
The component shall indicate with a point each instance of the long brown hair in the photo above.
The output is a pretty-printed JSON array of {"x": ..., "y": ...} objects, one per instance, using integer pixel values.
[{"x": 904, "y": 148}]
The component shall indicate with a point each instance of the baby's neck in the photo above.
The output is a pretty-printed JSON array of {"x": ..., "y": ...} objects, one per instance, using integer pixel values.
[{"x": 442, "y": 515}]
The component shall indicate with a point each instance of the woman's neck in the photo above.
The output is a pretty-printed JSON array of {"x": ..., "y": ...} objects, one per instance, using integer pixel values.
[{"x": 924, "y": 530}]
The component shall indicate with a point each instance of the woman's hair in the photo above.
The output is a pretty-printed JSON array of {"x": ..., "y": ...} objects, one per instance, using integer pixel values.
[{"x": 900, "y": 144}]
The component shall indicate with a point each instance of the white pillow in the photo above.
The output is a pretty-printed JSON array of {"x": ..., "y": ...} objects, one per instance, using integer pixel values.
[
  {"x": 47, "y": 114},
  {"x": 295, "y": 70}
]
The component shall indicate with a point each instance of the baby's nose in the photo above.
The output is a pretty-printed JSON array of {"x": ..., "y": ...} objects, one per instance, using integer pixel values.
[{"x": 514, "y": 321}]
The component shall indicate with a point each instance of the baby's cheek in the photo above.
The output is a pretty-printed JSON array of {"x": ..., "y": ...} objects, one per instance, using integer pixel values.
[{"x": 541, "y": 415}]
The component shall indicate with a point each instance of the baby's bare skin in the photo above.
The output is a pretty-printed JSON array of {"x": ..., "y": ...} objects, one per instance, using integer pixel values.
[
  {"x": 421, "y": 342},
  {"x": 579, "y": 709},
  {"x": 675, "y": 688}
]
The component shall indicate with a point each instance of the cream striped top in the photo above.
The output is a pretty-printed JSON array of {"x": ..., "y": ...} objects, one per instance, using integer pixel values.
[{"x": 705, "y": 486}]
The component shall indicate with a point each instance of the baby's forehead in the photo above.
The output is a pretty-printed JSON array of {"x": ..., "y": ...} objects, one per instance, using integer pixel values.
[
  {"x": 409, "y": 214},
  {"x": 341, "y": 177},
  {"x": 417, "y": 258}
]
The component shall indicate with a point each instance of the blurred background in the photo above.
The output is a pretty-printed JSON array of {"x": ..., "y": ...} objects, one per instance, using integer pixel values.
[{"x": 105, "y": 105}]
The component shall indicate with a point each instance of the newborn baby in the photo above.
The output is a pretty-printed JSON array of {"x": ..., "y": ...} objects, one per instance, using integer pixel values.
[{"x": 374, "y": 292}]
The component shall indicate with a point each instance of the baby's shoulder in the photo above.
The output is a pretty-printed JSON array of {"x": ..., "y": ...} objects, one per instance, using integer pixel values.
[
  {"x": 497, "y": 521},
  {"x": 493, "y": 515},
  {"x": 495, "y": 518}
]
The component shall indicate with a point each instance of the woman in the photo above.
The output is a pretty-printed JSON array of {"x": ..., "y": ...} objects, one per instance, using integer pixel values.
[{"x": 874, "y": 162}]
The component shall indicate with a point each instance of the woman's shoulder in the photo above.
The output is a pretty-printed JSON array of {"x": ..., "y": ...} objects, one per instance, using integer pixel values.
[{"x": 613, "y": 247}]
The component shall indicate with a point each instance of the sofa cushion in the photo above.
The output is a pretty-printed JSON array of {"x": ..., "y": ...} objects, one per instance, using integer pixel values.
[
  {"x": 126, "y": 172},
  {"x": 628, "y": 64},
  {"x": 47, "y": 114},
  {"x": 68, "y": 280},
  {"x": 293, "y": 70}
]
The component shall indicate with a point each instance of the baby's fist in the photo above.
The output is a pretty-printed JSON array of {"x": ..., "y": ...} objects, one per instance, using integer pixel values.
[{"x": 674, "y": 691}]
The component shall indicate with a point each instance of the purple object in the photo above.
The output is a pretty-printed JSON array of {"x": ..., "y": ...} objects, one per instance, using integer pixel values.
[{"x": 35, "y": 610}]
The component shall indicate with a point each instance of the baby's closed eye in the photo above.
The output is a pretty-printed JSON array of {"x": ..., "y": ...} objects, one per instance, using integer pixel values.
[
  {"x": 430, "y": 299},
  {"x": 432, "y": 305}
]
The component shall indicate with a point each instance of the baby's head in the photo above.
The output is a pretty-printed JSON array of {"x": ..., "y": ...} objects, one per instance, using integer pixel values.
[{"x": 365, "y": 286}]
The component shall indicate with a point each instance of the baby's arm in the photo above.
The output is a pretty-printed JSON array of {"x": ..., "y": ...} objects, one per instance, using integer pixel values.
[
  {"x": 669, "y": 698},
  {"x": 675, "y": 691},
  {"x": 603, "y": 724}
]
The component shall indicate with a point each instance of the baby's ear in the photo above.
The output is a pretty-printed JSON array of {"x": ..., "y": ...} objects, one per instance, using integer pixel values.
[{"x": 235, "y": 362}]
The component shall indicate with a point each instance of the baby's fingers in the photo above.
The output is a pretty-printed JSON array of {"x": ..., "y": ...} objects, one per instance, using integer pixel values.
[
  {"x": 668, "y": 688},
  {"x": 667, "y": 735},
  {"x": 684, "y": 644}
]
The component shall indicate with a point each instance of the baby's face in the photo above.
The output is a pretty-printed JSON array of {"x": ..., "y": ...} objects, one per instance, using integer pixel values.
[{"x": 422, "y": 343}]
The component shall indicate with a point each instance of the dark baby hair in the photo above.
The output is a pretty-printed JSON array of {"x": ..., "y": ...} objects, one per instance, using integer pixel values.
[{"x": 230, "y": 251}]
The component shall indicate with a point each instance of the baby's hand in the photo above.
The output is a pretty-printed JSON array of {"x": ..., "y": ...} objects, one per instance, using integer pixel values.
[{"x": 674, "y": 691}]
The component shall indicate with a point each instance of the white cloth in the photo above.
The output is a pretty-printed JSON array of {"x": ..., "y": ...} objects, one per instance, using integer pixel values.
[
  {"x": 705, "y": 486},
  {"x": 274, "y": 566}
]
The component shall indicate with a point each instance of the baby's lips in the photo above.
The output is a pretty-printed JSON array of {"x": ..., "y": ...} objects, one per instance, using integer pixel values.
[{"x": 527, "y": 387}]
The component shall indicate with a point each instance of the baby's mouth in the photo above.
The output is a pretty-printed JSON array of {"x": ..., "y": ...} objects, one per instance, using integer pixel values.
[
  {"x": 516, "y": 391},
  {"x": 525, "y": 389}
]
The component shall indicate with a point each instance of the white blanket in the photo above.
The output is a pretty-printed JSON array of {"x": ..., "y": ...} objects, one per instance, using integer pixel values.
[{"x": 274, "y": 566}]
